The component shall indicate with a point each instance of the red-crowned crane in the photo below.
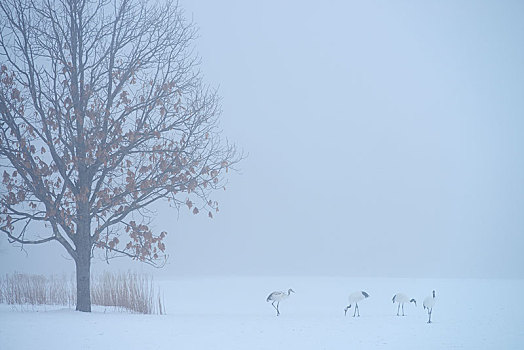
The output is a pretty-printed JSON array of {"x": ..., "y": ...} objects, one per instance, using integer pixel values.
[
  {"x": 429, "y": 302},
  {"x": 401, "y": 299},
  {"x": 354, "y": 298},
  {"x": 277, "y": 297}
]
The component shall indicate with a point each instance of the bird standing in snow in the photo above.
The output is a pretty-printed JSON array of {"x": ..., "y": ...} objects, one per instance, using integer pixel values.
[
  {"x": 401, "y": 299},
  {"x": 429, "y": 302},
  {"x": 354, "y": 298},
  {"x": 277, "y": 297}
]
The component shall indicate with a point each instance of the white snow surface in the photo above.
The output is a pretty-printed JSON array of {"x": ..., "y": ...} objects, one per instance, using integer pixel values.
[{"x": 232, "y": 313}]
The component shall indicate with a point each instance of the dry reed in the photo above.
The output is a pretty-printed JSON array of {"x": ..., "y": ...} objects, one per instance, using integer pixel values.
[{"x": 125, "y": 291}]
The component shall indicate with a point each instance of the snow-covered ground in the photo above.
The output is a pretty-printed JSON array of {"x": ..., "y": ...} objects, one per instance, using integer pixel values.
[{"x": 232, "y": 313}]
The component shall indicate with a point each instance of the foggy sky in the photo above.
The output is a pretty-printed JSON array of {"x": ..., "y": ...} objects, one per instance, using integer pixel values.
[{"x": 383, "y": 139}]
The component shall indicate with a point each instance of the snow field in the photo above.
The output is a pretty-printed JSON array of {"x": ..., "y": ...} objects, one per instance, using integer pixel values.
[{"x": 231, "y": 313}]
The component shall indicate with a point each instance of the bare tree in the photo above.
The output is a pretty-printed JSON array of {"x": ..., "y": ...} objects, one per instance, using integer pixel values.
[{"x": 103, "y": 112}]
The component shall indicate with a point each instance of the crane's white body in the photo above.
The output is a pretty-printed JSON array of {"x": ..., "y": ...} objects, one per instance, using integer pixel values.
[
  {"x": 428, "y": 303},
  {"x": 354, "y": 298},
  {"x": 401, "y": 299},
  {"x": 277, "y": 297}
]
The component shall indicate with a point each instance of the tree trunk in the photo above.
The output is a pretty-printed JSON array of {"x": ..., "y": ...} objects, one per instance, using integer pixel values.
[
  {"x": 83, "y": 279},
  {"x": 83, "y": 238}
]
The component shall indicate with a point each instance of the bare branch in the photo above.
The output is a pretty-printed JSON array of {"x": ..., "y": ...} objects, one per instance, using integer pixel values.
[{"x": 103, "y": 113}]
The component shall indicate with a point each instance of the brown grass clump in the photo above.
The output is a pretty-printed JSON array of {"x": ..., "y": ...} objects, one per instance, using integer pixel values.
[
  {"x": 130, "y": 291},
  {"x": 24, "y": 289},
  {"x": 126, "y": 291}
]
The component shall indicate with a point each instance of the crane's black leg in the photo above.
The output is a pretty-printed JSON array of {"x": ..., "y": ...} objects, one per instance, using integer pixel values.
[
  {"x": 273, "y": 303},
  {"x": 398, "y": 309},
  {"x": 358, "y": 310},
  {"x": 278, "y": 311},
  {"x": 430, "y": 312},
  {"x": 403, "y": 310}
]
